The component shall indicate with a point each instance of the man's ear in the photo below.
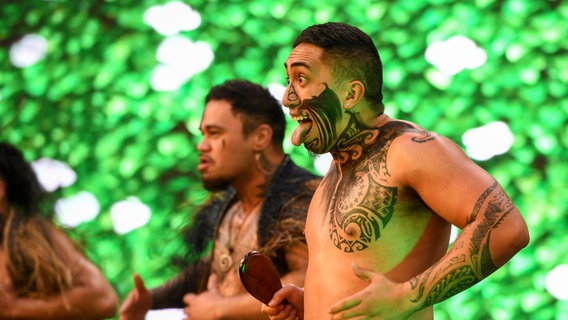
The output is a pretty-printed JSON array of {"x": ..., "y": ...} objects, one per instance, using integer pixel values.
[
  {"x": 355, "y": 93},
  {"x": 262, "y": 137}
]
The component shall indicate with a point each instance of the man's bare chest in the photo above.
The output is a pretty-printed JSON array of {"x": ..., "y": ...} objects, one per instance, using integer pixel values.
[{"x": 358, "y": 209}]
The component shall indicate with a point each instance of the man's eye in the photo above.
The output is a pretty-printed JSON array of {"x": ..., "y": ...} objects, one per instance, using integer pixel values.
[{"x": 301, "y": 79}]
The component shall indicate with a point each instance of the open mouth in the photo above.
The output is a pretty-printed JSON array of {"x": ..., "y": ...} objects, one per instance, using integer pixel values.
[
  {"x": 300, "y": 118},
  {"x": 204, "y": 163},
  {"x": 304, "y": 127}
]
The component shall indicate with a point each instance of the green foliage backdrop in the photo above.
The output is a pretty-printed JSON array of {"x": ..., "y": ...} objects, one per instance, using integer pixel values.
[{"x": 89, "y": 103}]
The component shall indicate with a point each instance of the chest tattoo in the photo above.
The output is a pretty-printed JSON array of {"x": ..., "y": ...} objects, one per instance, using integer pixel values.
[
  {"x": 361, "y": 204},
  {"x": 360, "y": 213}
]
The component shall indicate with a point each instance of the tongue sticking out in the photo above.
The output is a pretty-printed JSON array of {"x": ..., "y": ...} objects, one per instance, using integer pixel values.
[{"x": 300, "y": 132}]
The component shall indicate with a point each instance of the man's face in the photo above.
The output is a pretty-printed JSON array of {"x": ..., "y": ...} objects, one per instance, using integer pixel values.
[
  {"x": 225, "y": 154},
  {"x": 312, "y": 99}
]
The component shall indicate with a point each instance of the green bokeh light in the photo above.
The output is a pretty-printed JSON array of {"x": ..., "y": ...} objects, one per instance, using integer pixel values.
[{"x": 89, "y": 103}]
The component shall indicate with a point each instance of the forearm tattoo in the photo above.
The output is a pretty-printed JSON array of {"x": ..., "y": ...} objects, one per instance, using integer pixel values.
[{"x": 467, "y": 264}]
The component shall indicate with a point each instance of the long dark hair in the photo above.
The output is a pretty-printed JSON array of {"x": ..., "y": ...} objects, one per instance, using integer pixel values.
[{"x": 36, "y": 268}]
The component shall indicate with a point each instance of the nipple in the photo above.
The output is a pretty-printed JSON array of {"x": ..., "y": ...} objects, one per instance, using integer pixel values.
[{"x": 352, "y": 231}]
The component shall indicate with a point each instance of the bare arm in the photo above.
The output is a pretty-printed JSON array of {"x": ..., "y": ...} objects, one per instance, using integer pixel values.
[
  {"x": 493, "y": 230},
  {"x": 494, "y": 233},
  {"x": 462, "y": 193},
  {"x": 91, "y": 296}
]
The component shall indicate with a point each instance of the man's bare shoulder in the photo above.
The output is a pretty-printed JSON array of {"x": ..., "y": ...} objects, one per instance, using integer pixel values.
[{"x": 411, "y": 138}]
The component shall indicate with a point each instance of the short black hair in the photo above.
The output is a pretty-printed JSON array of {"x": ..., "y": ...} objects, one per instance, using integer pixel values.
[
  {"x": 255, "y": 104},
  {"x": 350, "y": 52}
]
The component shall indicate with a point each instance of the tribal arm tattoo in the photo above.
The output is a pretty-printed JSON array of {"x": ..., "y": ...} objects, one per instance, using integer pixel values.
[{"x": 469, "y": 260}]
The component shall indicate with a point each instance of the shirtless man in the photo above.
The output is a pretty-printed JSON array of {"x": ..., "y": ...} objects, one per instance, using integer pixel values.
[{"x": 378, "y": 226}]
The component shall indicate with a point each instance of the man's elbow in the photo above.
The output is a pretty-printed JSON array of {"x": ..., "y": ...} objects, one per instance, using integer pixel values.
[
  {"x": 518, "y": 238},
  {"x": 523, "y": 238},
  {"x": 508, "y": 241}
]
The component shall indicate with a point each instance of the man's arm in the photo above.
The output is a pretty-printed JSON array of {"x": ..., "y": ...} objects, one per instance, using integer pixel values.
[
  {"x": 493, "y": 229},
  {"x": 493, "y": 234},
  {"x": 455, "y": 188},
  {"x": 90, "y": 297}
]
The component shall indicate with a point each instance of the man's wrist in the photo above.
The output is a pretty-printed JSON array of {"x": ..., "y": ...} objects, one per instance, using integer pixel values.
[{"x": 407, "y": 298}]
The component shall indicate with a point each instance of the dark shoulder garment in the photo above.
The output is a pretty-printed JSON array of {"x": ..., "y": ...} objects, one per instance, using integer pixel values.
[{"x": 281, "y": 223}]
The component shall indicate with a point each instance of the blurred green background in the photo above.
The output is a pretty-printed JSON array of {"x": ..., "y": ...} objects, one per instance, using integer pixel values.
[{"x": 95, "y": 87}]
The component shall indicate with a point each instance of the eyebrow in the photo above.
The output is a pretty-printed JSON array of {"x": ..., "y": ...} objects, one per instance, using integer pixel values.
[
  {"x": 210, "y": 127},
  {"x": 297, "y": 64}
]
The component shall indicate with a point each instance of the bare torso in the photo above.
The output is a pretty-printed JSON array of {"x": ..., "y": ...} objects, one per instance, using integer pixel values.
[
  {"x": 237, "y": 236},
  {"x": 362, "y": 214}
]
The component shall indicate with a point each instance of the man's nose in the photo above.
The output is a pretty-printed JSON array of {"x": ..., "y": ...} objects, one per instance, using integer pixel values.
[
  {"x": 202, "y": 145},
  {"x": 290, "y": 98}
]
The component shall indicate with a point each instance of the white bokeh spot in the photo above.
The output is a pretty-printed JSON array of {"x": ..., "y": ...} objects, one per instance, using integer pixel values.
[
  {"x": 485, "y": 142},
  {"x": 454, "y": 233},
  {"x": 180, "y": 59},
  {"x": 76, "y": 209},
  {"x": 53, "y": 174},
  {"x": 129, "y": 214},
  {"x": 557, "y": 282},
  {"x": 276, "y": 90},
  {"x": 165, "y": 314},
  {"x": 28, "y": 50},
  {"x": 455, "y": 54},
  {"x": 323, "y": 163},
  {"x": 172, "y": 18}
]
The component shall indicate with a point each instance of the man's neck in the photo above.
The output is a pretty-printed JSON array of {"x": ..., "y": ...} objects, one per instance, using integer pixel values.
[
  {"x": 357, "y": 137},
  {"x": 255, "y": 188}
]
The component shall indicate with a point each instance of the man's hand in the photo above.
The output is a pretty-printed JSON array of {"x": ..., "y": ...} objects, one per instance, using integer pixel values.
[
  {"x": 286, "y": 304},
  {"x": 381, "y": 299},
  {"x": 204, "y": 306},
  {"x": 137, "y": 303}
]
